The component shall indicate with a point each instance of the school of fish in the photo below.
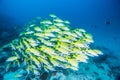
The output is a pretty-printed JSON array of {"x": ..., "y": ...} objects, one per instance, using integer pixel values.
[{"x": 49, "y": 44}]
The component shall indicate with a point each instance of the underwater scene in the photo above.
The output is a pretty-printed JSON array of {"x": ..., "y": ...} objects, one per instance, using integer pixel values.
[{"x": 59, "y": 39}]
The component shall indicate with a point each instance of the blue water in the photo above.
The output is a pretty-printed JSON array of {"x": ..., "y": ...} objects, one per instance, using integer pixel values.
[{"x": 90, "y": 15}]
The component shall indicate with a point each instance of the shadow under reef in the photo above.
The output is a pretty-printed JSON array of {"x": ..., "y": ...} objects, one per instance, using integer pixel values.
[{"x": 9, "y": 30}]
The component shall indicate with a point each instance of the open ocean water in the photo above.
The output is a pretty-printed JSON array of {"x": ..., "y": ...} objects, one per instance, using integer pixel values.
[{"x": 100, "y": 18}]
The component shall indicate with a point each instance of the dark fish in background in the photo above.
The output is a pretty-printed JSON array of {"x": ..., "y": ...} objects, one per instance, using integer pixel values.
[{"x": 107, "y": 22}]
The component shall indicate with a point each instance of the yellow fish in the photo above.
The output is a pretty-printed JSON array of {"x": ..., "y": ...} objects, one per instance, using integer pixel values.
[
  {"x": 46, "y": 42},
  {"x": 46, "y": 22},
  {"x": 54, "y": 62},
  {"x": 12, "y": 58},
  {"x": 80, "y": 44},
  {"x": 66, "y": 22},
  {"x": 33, "y": 51},
  {"x": 44, "y": 60},
  {"x": 37, "y": 62},
  {"x": 49, "y": 34},
  {"x": 92, "y": 52},
  {"x": 60, "y": 58},
  {"x": 27, "y": 45},
  {"x": 58, "y": 20},
  {"x": 47, "y": 50},
  {"x": 63, "y": 45},
  {"x": 63, "y": 40},
  {"x": 81, "y": 57},
  {"x": 73, "y": 62},
  {"x": 37, "y": 28},
  {"x": 52, "y": 15},
  {"x": 62, "y": 50},
  {"x": 79, "y": 34},
  {"x": 59, "y": 25}
]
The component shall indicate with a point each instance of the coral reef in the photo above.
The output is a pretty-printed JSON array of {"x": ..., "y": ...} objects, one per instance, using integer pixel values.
[
  {"x": 90, "y": 71},
  {"x": 9, "y": 30},
  {"x": 50, "y": 43},
  {"x": 17, "y": 75}
]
